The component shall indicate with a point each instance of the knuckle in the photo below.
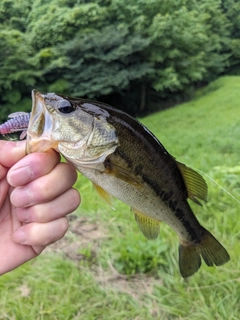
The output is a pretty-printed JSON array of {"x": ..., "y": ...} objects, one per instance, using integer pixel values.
[
  {"x": 41, "y": 190},
  {"x": 37, "y": 214},
  {"x": 74, "y": 198},
  {"x": 43, "y": 235},
  {"x": 63, "y": 226},
  {"x": 69, "y": 172}
]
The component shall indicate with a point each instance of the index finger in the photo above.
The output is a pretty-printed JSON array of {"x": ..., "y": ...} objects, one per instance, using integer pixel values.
[
  {"x": 11, "y": 152},
  {"x": 33, "y": 166}
]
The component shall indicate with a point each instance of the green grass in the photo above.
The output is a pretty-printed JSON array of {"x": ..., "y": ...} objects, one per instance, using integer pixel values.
[{"x": 123, "y": 276}]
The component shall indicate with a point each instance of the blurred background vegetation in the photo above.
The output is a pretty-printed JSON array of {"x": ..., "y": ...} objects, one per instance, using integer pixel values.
[{"x": 140, "y": 56}]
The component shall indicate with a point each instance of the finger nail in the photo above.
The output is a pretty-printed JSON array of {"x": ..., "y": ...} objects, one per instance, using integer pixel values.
[
  {"x": 20, "y": 144},
  {"x": 19, "y": 236},
  {"x": 20, "y": 174},
  {"x": 21, "y": 197}
]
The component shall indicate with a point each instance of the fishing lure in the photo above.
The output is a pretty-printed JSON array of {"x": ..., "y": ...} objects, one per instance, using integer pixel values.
[{"x": 18, "y": 122}]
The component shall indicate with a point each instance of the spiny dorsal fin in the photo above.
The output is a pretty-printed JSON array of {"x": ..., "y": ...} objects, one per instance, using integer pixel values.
[
  {"x": 103, "y": 194},
  {"x": 149, "y": 227},
  {"x": 195, "y": 184}
]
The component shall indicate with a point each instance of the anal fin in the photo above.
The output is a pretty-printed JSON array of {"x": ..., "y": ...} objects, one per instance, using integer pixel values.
[{"x": 149, "y": 226}]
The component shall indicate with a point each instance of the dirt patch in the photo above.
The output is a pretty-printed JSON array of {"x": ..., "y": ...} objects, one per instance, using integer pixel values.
[
  {"x": 137, "y": 286},
  {"x": 82, "y": 233}
]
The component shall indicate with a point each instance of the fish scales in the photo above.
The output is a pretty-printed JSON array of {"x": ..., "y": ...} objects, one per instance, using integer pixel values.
[
  {"x": 161, "y": 173},
  {"x": 125, "y": 160}
]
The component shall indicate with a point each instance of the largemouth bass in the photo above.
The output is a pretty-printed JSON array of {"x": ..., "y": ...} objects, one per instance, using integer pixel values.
[{"x": 125, "y": 160}]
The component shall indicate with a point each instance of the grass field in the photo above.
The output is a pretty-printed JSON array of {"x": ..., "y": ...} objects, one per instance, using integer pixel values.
[{"x": 105, "y": 269}]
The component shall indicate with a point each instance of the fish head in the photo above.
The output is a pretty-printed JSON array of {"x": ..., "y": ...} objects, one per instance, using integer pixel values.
[{"x": 76, "y": 128}]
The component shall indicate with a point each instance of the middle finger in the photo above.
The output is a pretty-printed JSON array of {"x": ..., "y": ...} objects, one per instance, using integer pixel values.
[{"x": 55, "y": 209}]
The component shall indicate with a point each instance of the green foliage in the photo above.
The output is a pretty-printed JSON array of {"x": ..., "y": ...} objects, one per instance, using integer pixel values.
[
  {"x": 16, "y": 65},
  {"x": 23, "y": 105},
  {"x": 14, "y": 14},
  {"x": 188, "y": 41},
  {"x": 60, "y": 85},
  {"x": 128, "y": 53},
  {"x": 142, "y": 257},
  {"x": 231, "y": 9},
  {"x": 112, "y": 47},
  {"x": 53, "y": 22}
]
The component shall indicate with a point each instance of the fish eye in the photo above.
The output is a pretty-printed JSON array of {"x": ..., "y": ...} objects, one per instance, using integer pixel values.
[{"x": 65, "y": 106}]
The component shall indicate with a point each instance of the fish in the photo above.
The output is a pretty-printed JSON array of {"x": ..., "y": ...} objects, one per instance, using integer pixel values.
[{"x": 124, "y": 160}]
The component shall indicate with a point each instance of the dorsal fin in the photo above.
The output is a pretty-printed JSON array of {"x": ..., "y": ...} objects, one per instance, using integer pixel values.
[
  {"x": 195, "y": 184},
  {"x": 149, "y": 227}
]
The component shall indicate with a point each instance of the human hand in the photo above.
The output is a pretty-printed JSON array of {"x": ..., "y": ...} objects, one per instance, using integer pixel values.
[{"x": 35, "y": 196}]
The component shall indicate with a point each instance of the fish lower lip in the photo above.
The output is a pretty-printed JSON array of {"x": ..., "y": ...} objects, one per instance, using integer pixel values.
[
  {"x": 37, "y": 145},
  {"x": 40, "y": 126}
]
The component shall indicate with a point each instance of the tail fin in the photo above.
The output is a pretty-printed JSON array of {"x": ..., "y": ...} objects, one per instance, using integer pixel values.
[{"x": 212, "y": 252}]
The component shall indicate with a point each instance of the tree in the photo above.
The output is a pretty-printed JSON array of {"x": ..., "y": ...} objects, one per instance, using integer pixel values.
[
  {"x": 186, "y": 39},
  {"x": 102, "y": 62},
  {"x": 16, "y": 65},
  {"x": 14, "y": 14},
  {"x": 231, "y": 9},
  {"x": 54, "y": 22},
  {"x": 111, "y": 49}
]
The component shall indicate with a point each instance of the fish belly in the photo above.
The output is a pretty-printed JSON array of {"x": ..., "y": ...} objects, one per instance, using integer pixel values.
[{"x": 142, "y": 199}]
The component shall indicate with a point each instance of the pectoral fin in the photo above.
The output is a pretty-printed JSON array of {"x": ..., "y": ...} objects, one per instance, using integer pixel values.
[
  {"x": 195, "y": 184},
  {"x": 122, "y": 173},
  {"x": 149, "y": 227}
]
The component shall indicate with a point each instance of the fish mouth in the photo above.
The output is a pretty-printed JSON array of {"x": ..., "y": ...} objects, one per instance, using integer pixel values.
[{"x": 39, "y": 133}]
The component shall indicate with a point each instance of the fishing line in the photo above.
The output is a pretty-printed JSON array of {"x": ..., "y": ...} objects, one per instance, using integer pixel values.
[{"x": 221, "y": 187}]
